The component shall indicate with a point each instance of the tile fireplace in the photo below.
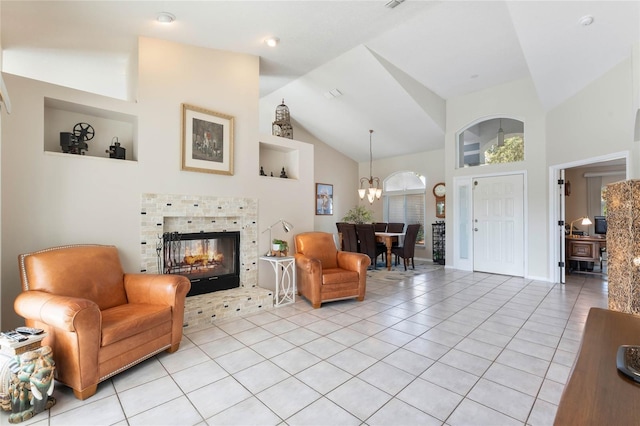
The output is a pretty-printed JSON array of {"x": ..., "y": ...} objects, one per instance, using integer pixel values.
[{"x": 163, "y": 214}]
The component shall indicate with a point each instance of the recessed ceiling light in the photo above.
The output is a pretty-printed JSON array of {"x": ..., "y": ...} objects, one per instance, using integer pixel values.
[
  {"x": 393, "y": 3},
  {"x": 333, "y": 93},
  {"x": 272, "y": 41},
  {"x": 165, "y": 17},
  {"x": 586, "y": 20}
]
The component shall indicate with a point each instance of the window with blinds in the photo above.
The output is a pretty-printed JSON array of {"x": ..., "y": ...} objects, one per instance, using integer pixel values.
[{"x": 404, "y": 196}]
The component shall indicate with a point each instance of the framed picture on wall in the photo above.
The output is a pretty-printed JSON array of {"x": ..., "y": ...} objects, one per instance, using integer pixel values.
[
  {"x": 324, "y": 199},
  {"x": 207, "y": 141}
]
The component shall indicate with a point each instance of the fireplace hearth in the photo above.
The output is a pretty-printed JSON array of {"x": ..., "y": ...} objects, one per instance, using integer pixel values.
[{"x": 211, "y": 260}]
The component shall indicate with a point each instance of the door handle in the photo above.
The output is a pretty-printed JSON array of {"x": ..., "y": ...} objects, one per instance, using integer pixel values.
[{"x": 475, "y": 229}]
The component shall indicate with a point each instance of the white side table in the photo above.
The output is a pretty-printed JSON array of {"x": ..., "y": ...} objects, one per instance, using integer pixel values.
[{"x": 285, "y": 270}]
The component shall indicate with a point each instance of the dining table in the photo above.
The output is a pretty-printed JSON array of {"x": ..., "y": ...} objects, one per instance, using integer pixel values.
[{"x": 388, "y": 238}]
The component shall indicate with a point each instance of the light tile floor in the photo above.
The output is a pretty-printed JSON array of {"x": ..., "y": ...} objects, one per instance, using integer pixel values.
[{"x": 445, "y": 347}]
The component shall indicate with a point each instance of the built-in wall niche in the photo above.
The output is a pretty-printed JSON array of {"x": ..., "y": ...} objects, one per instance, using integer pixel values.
[
  {"x": 274, "y": 156},
  {"x": 107, "y": 128}
]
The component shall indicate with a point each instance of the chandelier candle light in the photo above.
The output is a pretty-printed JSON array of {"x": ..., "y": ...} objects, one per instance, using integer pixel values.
[{"x": 374, "y": 191}]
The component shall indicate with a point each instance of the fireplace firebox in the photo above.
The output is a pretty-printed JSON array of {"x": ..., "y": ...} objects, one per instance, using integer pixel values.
[{"x": 211, "y": 260}]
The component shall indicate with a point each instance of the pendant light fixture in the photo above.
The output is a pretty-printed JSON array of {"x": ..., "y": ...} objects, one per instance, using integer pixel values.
[
  {"x": 373, "y": 191},
  {"x": 500, "y": 135}
]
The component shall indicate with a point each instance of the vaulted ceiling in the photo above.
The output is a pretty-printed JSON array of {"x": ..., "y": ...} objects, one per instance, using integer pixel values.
[{"x": 393, "y": 67}]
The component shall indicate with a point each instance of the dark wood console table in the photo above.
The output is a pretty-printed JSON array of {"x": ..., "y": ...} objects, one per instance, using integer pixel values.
[
  {"x": 597, "y": 393},
  {"x": 584, "y": 249}
]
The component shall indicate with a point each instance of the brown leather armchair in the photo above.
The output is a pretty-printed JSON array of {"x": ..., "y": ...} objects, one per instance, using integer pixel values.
[
  {"x": 324, "y": 273},
  {"x": 100, "y": 321}
]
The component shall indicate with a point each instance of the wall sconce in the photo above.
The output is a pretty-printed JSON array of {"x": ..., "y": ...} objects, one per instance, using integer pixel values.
[
  {"x": 285, "y": 225},
  {"x": 585, "y": 222}
]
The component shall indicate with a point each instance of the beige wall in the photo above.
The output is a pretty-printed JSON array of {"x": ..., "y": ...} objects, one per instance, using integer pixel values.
[
  {"x": 333, "y": 168},
  {"x": 597, "y": 121},
  {"x": 55, "y": 199}
]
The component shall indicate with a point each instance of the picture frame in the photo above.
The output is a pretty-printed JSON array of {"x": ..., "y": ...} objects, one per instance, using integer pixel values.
[
  {"x": 324, "y": 199},
  {"x": 207, "y": 141}
]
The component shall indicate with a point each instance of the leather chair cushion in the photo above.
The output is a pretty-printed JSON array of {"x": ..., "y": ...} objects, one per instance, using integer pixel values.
[
  {"x": 87, "y": 271},
  {"x": 127, "y": 320},
  {"x": 318, "y": 245},
  {"x": 338, "y": 276}
]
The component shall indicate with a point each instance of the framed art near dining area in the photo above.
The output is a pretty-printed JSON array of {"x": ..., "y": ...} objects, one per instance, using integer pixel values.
[
  {"x": 324, "y": 199},
  {"x": 207, "y": 141}
]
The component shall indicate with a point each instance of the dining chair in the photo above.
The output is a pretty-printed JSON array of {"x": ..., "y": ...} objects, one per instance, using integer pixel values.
[
  {"x": 368, "y": 243},
  {"x": 349, "y": 237},
  {"x": 380, "y": 226},
  {"x": 407, "y": 249}
]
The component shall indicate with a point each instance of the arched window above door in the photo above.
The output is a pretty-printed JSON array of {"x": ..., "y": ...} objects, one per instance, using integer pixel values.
[{"x": 492, "y": 141}]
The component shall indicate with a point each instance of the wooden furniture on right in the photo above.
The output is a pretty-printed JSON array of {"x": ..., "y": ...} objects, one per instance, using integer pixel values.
[
  {"x": 584, "y": 249},
  {"x": 596, "y": 392}
]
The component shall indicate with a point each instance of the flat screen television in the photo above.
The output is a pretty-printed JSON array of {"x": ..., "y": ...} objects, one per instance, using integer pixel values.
[{"x": 600, "y": 224}]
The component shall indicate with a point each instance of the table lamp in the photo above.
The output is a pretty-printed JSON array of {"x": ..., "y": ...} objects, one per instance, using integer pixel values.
[
  {"x": 585, "y": 221},
  {"x": 285, "y": 225}
]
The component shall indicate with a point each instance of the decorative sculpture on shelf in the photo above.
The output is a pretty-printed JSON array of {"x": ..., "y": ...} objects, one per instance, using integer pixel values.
[
  {"x": 31, "y": 384},
  {"x": 282, "y": 126},
  {"x": 283, "y": 174}
]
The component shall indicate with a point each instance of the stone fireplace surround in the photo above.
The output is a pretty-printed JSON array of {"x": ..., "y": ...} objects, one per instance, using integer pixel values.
[{"x": 162, "y": 213}]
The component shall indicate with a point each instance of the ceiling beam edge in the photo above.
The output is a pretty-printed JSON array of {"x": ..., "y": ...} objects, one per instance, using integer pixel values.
[{"x": 432, "y": 104}]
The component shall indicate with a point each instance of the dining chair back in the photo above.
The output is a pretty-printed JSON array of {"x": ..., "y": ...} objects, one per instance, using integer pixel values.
[
  {"x": 368, "y": 244},
  {"x": 380, "y": 226},
  {"x": 395, "y": 227},
  {"x": 407, "y": 249},
  {"x": 349, "y": 237}
]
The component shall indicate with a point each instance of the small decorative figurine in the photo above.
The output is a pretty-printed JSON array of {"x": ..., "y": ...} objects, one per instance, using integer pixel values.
[
  {"x": 283, "y": 174},
  {"x": 262, "y": 173}
]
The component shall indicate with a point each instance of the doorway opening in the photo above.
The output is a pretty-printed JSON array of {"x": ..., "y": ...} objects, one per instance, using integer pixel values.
[{"x": 575, "y": 193}]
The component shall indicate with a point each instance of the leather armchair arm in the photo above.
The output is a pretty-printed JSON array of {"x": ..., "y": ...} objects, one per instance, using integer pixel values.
[
  {"x": 308, "y": 265},
  {"x": 351, "y": 261},
  {"x": 309, "y": 276},
  {"x": 160, "y": 289},
  {"x": 157, "y": 289},
  {"x": 66, "y": 313}
]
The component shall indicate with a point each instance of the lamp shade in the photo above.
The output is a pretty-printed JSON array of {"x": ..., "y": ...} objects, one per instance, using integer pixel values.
[
  {"x": 585, "y": 221},
  {"x": 286, "y": 226}
]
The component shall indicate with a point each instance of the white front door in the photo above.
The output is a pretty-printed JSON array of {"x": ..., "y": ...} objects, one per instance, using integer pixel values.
[{"x": 498, "y": 224}]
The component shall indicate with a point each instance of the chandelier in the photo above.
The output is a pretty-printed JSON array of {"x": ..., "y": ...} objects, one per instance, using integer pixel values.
[{"x": 373, "y": 191}]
